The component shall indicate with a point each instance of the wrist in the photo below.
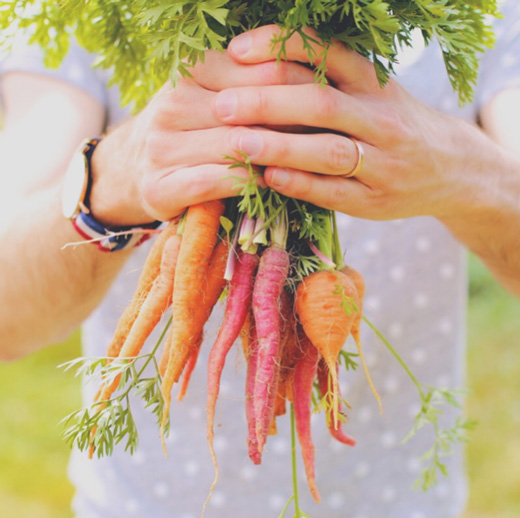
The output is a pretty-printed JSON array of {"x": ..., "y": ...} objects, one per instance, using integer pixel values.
[
  {"x": 114, "y": 197},
  {"x": 76, "y": 206}
]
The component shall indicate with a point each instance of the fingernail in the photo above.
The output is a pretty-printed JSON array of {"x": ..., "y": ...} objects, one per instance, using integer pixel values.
[
  {"x": 225, "y": 104},
  {"x": 241, "y": 44},
  {"x": 279, "y": 177},
  {"x": 250, "y": 143}
]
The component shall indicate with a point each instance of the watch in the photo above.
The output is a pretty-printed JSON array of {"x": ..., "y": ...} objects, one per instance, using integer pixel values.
[{"x": 75, "y": 207}]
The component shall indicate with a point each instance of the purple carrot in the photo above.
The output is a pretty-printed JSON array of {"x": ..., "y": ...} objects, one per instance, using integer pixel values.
[
  {"x": 303, "y": 380},
  {"x": 335, "y": 429},
  {"x": 252, "y": 357},
  {"x": 238, "y": 304},
  {"x": 269, "y": 283}
]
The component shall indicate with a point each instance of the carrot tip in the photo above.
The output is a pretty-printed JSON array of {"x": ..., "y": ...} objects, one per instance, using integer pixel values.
[
  {"x": 316, "y": 496},
  {"x": 163, "y": 442}
]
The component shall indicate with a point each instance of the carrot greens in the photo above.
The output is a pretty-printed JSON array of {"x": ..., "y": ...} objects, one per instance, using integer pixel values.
[
  {"x": 431, "y": 399},
  {"x": 146, "y": 43},
  {"x": 305, "y": 301},
  {"x": 114, "y": 422}
]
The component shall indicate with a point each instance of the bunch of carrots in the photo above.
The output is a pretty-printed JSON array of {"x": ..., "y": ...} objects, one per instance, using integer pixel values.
[{"x": 291, "y": 304}]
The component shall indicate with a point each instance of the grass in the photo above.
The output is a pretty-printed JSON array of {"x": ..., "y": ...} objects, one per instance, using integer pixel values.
[
  {"x": 33, "y": 458},
  {"x": 35, "y": 396},
  {"x": 494, "y": 384}
]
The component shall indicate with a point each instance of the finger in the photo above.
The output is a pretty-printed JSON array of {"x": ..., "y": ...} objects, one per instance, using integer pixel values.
[
  {"x": 345, "y": 67},
  {"x": 220, "y": 71},
  {"x": 185, "y": 107},
  {"x": 309, "y": 105},
  {"x": 167, "y": 196},
  {"x": 339, "y": 194},
  {"x": 324, "y": 153}
]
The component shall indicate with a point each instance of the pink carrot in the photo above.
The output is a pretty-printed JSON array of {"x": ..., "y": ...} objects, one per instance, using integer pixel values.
[
  {"x": 335, "y": 428},
  {"x": 269, "y": 283},
  {"x": 237, "y": 307},
  {"x": 303, "y": 379},
  {"x": 252, "y": 360}
]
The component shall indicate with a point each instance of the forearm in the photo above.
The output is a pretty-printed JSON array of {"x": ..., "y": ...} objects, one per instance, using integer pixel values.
[
  {"x": 487, "y": 219},
  {"x": 47, "y": 292}
]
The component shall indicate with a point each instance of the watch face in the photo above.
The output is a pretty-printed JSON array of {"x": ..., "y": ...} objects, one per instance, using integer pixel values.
[{"x": 75, "y": 185}]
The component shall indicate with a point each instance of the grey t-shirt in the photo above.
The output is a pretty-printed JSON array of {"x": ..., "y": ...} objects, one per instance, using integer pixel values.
[{"x": 416, "y": 296}]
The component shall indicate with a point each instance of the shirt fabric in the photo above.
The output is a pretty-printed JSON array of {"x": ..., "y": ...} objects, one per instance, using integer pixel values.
[{"x": 416, "y": 293}]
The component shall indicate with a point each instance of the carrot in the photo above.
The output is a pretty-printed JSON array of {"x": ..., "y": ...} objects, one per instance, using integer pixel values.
[
  {"x": 290, "y": 354},
  {"x": 156, "y": 302},
  {"x": 190, "y": 366},
  {"x": 198, "y": 241},
  {"x": 237, "y": 307},
  {"x": 303, "y": 379},
  {"x": 244, "y": 334},
  {"x": 320, "y": 306},
  {"x": 359, "y": 282},
  {"x": 269, "y": 283},
  {"x": 335, "y": 427},
  {"x": 252, "y": 362},
  {"x": 291, "y": 350},
  {"x": 213, "y": 288},
  {"x": 149, "y": 272}
]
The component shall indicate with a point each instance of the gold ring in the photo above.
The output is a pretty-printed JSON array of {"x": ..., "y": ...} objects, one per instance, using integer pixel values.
[{"x": 359, "y": 163}]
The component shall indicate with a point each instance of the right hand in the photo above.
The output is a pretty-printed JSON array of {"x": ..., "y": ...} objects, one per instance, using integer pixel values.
[{"x": 171, "y": 155}]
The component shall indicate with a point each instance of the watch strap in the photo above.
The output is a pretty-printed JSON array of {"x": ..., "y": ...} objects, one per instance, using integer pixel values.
[{"x": 112, "y": 239}]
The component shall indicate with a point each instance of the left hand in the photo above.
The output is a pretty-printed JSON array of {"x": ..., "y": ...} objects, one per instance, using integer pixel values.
[{"x": 416, "y": 161}]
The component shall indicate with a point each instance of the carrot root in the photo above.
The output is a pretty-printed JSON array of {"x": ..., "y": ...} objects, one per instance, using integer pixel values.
[
  {"x": 269, "y": 284},
  {"x": 201, "y": 228},
  {"x": 303, "y": 379}
]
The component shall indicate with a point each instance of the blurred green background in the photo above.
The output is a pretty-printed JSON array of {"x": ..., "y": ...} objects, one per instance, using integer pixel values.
[{"x": 35, "y": 395}]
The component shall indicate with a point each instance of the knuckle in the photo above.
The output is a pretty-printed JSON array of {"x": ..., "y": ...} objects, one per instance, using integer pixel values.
[
  {"x": 338, "y": 154},
  {"x": 278, "y": 150},
  {"x": 302, "y": 188},
  {"x": 393, "y": 125},
  {"x": 336, "y": 195},
  {"x": 378, "y": 201},
  {"x": 262, "y": 104},
  {"x": 325, "y": 101},
  {"x": 199, "y": 187},
  {"x": 154, "y": 148},
  {"x": 276, "y": 73},
  {"x": 172, "y": 111}
]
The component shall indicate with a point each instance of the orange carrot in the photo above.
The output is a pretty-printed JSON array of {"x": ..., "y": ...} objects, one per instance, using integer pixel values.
[
  {"x": 198, "y": 241},
  {"x": 359, "y": 282},
  {"x": 335, "y": 427},
  {"x": 190, "y": 366},
  {"x": 291, "y": 350},
  {"x": 155, "y": 304},
  {"x": 149, "y": 272},
  {"x": 324, "y": 306},
  {"x": 213, "y": 288}
]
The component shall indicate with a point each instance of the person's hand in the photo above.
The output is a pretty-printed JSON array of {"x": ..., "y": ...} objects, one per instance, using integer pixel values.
[
  {"x": 171, "y": 155},
  {"x": 416, "y": 161}
]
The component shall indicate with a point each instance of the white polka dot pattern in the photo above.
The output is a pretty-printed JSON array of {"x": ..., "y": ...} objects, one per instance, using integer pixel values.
[{"x": 415, "y": 281}]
